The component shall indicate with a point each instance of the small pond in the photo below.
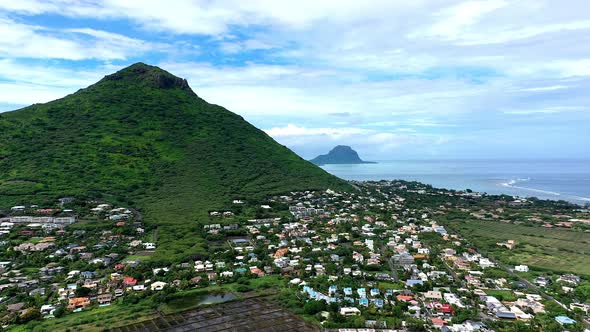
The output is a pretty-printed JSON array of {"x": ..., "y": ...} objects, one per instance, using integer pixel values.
[{"x": 216, "y": 298}]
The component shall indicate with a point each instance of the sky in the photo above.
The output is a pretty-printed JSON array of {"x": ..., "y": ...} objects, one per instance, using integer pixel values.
[{"x": 420, "y": 79}]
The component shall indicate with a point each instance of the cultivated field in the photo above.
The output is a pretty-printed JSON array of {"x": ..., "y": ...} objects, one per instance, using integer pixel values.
[
  {"x": 557, "y": 250},
  {"x": 247, "y": 315}
]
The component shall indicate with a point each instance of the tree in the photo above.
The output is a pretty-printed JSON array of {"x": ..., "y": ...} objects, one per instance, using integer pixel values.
[
  {"x": 31, "y": 314},
  {"x": 312, "y": 307},
  {"x": 59, "y": 312},
  {"x": 583, "y": 292}
]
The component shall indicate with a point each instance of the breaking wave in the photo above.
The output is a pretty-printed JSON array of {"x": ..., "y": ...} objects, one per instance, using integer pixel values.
[{"x": 513, "y": 183}]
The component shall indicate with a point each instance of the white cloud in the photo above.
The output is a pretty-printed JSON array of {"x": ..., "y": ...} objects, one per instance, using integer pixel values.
[
  {"x": 31, "y": 41},
  {"x": 548, "y": 110},
  {"x": 25, "y": 84},
  {"x": 293, "y": 130},
  {"x": 454, "y": 20},
  {"x": 544, "y": 88}
]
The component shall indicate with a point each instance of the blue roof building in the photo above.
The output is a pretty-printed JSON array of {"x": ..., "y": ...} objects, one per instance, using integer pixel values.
[
  {"x": 564, "y": 320},
  {"x": 375, "y": 291},
  {"x": 361, "y": 292},
  {"x": 378, "y": 303},
  {"x": 364, "y": 302}
]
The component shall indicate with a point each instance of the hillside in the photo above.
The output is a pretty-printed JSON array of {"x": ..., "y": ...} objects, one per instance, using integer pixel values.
[
  {"x": 341, "y": 154},
  {"x": 143, "y": 137}
]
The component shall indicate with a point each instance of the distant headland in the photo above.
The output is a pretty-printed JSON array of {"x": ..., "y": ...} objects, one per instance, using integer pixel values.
[{"x": 341, "y": 154}]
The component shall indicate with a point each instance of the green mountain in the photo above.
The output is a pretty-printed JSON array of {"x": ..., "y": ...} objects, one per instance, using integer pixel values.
[
  {"x": 142, "y": 136},
  {"x": 341, "y": 154}
]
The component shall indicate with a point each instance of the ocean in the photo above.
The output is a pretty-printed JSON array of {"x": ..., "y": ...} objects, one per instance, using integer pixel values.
[{"x": 567, "y": 180}]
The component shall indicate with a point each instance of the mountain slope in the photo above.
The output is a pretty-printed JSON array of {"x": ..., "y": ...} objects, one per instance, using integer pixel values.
[
  {"x": 144, "y": 136},
  {"x": 341, "y": 154}
]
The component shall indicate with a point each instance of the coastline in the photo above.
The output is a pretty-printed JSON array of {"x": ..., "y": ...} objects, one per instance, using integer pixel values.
[{"x": 567, "y": 180}]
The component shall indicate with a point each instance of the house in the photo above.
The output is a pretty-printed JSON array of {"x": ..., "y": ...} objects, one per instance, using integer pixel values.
[
  {"x": 104, "y": 299},
  {"x": 332, "y": 289},
  {"x": 569, "y": 278},
  {"x": 157, "y": 286},
  {"x": 139, "y": 288},
  {"x": 78, "y": 303},
  {"x": 255, "y": 270},
  {"x": 349, "y": 311},
  {"x": 485, "y": 263},
  {"x": 542, "y": 281},
  {"x": 521, "y": 268},
  {"x": 47, "y": 309},
  {"x": 129, "y": 281},
  {"x": 505, "y": 314},
  {"x": 438, "y": 322},
  {"x": 433, "y": 295},
  {"x": 404, "y": 298},
  {"x": 444, "y": 308}
]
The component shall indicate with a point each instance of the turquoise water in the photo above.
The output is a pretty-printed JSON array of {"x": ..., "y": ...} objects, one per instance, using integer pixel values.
[{"x": 548, "y": 179}]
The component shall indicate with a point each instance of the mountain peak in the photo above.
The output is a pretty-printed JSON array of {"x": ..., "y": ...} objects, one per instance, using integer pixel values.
[
  {"x": 343, "y": 148},
  {"x": 341, "y": 154},
  {"x": 151, "y": 76}
]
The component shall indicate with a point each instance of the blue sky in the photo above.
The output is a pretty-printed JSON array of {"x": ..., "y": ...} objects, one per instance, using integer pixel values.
[{"x": 436, "y": 79}]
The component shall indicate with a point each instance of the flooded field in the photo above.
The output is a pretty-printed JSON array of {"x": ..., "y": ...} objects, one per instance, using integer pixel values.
[{"x": 255, "y": 314}]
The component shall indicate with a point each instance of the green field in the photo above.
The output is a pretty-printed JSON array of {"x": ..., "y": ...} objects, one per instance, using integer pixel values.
[
  {"x": 556, "y": 250},
  {"x": 502, "y": 295}
]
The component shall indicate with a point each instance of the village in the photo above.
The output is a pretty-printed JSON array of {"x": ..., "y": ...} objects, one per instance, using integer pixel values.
[{"x": 385, "y": 257}]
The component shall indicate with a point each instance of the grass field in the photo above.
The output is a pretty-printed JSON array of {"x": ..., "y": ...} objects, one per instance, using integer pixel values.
[
  {"x": 502, "y": 295},
  {"x": 556, "y": 250}
]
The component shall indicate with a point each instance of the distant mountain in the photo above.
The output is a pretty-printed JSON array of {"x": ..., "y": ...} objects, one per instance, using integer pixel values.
[
  {"x": 341, "y": 154},
  {"x": 142, "y": 137}
]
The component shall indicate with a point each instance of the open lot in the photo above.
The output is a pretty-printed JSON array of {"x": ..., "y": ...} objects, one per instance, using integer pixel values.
[{"x": 557, "y": 250}]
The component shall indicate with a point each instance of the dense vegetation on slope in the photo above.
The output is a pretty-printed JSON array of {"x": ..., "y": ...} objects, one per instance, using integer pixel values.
[{"x": 143, "y": 137}]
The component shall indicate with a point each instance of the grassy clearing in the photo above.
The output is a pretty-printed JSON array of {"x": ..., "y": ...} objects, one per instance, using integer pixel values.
[
  {"x": 502, "y": 295},
  {"x": 391, "y": 285},
  {"x": 556, "y": 250}
]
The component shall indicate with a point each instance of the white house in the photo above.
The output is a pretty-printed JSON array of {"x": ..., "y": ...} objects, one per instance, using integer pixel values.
[
  {"x": 158, "y": 285},
  {"x": 521, "y": 268},
  {"x": 349, "y": 311}
]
